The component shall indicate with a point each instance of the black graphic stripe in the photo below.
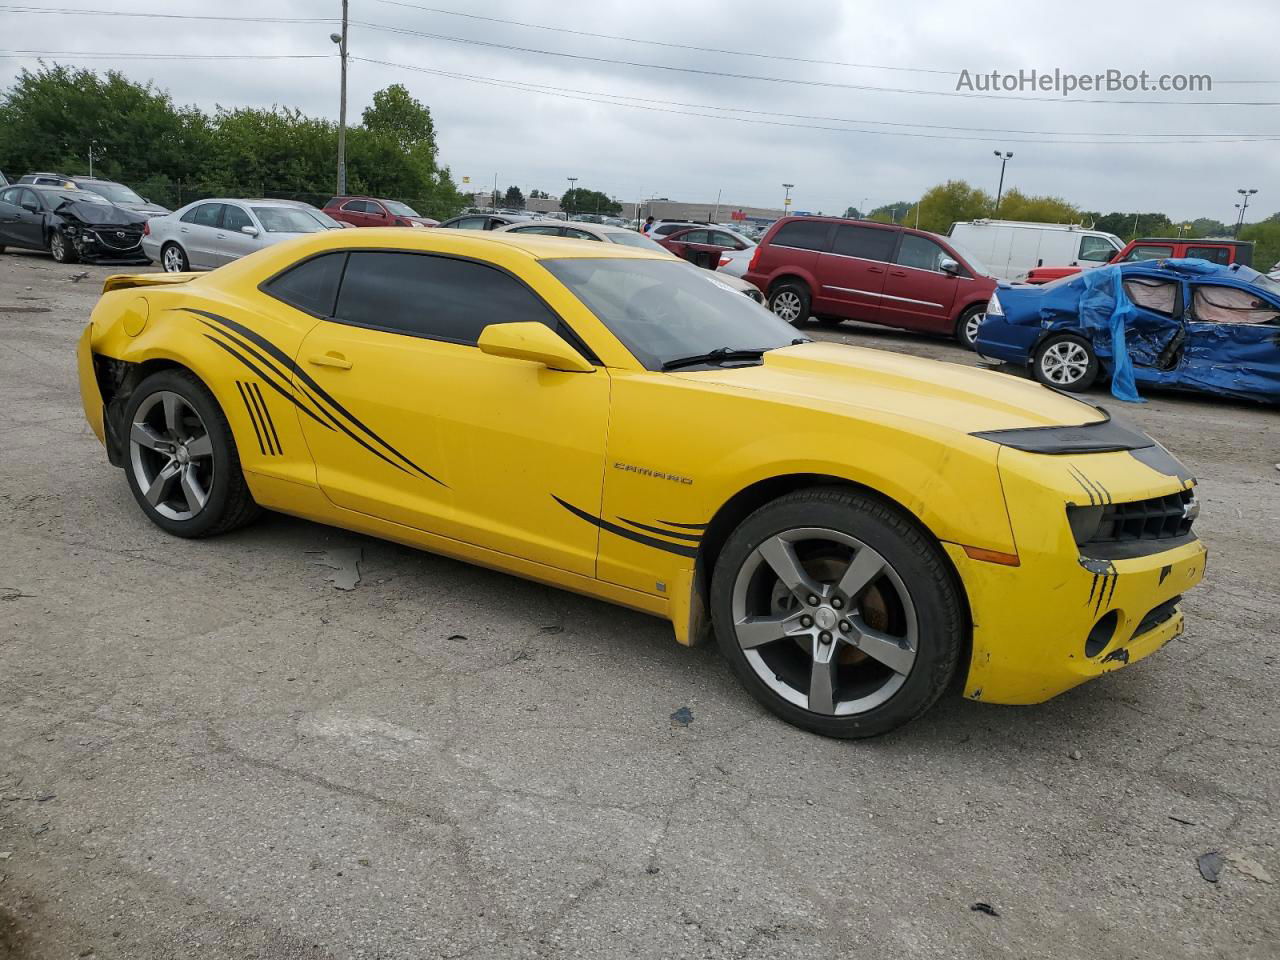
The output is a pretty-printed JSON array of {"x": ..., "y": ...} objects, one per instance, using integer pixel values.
[
  {"x": 288, "y": 362},
  {"x": 1093, "y": 588},
  {"x": 1095, "y": 487},
  {"x": 266, "y": 412},
  {"x": 1109, "y": 578},
  {"x": 626, "y": 534},
  {"x": 1115, "y": 578},
  {"x": 262, "y": 418},
  {"x": 270, "y": 383},
  {"x": 695, "y": 537},
  {"x": 1093, "y": 500},
  {"x": 253, "y": 417},
  {"x": 259, "y": 358},
  {"x": 346, "y": 430},
  {"x": 683, "y": 526}
]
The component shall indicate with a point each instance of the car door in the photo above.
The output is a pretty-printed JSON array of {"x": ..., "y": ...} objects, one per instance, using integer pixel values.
[
  {"x": 9, "y": 210},
  {"x": 434, "y": 434},
  {"x": 851, "y": 275},
  {"x": 230, "y": 240},
  {"x": 918, "y": 293},
  {"x": 685, "y": 243},
  {"x": 1155, "y": 333},
  {"x": 197, "y": 232},
  {"x": 1233, "y": 341},
  {"x": 22, "y": 219}
]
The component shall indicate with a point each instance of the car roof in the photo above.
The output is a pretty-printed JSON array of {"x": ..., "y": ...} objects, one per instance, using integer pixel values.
[
  {"x": 585, "y": 227},
  {"x": 473, "y": 242}
]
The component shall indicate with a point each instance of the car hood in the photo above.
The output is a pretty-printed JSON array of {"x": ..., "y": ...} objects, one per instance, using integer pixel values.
[
  {"x": 146, "y": 209},
  {"x": 99, "y": 214},
  {"x": 833, "y": 377}
]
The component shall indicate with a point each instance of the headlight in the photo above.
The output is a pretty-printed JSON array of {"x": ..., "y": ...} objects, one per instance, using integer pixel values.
[{"x": 993, "y": 306}]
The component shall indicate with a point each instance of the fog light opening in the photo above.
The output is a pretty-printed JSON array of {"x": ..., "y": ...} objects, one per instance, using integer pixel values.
[{"x": 1101, "y": 634}]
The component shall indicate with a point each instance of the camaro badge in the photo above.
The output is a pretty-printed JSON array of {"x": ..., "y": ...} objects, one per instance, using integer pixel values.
[{"x": 646, "y": 472}]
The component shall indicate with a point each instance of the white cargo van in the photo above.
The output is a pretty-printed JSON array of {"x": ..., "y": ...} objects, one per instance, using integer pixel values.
[{"x": 1010, "y": 248}]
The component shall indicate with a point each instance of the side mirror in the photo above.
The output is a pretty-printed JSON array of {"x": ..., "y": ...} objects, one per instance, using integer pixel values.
[
  {"x": 532, "y": 341},
  {"x": 947, "y": 265},
  {"x": 30, "y": 207},
  {"x": 250, "y": 229}
]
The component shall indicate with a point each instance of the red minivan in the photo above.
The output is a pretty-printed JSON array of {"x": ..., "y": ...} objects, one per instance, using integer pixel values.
[{"x": 835, "y": 269}]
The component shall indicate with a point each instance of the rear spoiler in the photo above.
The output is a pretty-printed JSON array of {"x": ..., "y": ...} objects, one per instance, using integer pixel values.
[{"x": 125, "y": 281}]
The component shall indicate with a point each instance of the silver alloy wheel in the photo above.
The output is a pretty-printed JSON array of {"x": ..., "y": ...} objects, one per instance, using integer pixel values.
[
  {"x": 171, "y": 455},
  {"x": 172, "y": 259},
  {"x": 1064, "y": 363},
  {"x": 801, "y": 605},
  {"x": 971, "y": 326},
  {"x": 58, "y": 247},
  {"x": 787, "y": 305}
]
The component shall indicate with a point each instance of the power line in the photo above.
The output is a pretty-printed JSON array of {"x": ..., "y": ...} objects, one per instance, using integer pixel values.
[
  {"x": 68, "y": 11},
  {"x": 15, "y": 54},
  {"x": 831, "y": 84},
  {"x": 527, "y": 88}
]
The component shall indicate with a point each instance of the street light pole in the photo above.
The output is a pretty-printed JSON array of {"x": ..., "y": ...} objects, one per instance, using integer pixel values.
[
  {"x": 1245, "y": 195},
  {"x": 341, "y": 40},
  {"x": 572, "y": 181},
  {"x": 786, "y": 203},
  {"x": 92, "y": 144},
  {"x": 1003, "y": 158}
]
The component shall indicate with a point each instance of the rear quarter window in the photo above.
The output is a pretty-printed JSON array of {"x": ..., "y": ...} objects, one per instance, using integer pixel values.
[
  {"x": 310, "y": 286},
  {"x": 802, "y": 235}
]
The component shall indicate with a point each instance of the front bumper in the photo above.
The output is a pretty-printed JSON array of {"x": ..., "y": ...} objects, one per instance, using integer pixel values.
[
  {"x": 1007, "y": 342},
  {"x": 1060, "y": 618},
  {"x": 90, "y": 392}
]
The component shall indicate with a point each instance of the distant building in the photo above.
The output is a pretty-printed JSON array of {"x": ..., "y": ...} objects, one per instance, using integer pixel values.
[{"x": 710, "y": 212}]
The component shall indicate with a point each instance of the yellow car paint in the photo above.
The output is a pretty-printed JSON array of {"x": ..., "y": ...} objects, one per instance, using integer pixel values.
[{"x": 607, "y": 482}]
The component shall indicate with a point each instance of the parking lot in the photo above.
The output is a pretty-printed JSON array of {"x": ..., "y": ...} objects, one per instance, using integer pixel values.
[{"x": 210, "y": 749}]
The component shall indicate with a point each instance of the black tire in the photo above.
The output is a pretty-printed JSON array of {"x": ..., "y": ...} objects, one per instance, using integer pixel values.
[
  {"x": 1052, "y": 364},
  {"x": 61, "y": 249},
  {"x": 229, "y": 504},
  {"x": 173, "y": 259},
  {"x": 913, "y": 557},
  {"x": 966, "y": 331},
  {"x": 790, "y": 301}
]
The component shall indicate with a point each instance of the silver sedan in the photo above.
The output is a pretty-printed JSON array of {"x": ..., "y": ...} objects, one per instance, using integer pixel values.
[{"x": 208, "y": 233}]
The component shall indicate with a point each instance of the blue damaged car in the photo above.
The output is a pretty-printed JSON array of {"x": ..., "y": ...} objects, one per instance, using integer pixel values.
[{"x": 1182, "y": 324}]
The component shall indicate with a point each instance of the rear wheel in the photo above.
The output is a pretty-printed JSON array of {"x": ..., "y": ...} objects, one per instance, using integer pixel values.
[
  {"x": 174, "y": 259},
  {"x": 790, "y": 301},
  {"x": 1066, "y": 362},
  {"x": 837, "y": 613},
  {"x": 183, "y": 466},
  {"x": 62, "y": 251},
  {"x": 968, "y": 324}
]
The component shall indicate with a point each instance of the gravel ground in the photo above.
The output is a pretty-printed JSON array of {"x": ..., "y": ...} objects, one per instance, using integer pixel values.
[{"x": 208, "y": 750}]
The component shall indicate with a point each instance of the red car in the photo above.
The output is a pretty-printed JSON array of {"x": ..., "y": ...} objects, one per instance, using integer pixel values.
[
  {"x": 372, "y": 212},
  {"x": 835, "y": 269},
  {"x": 702, "y": 245},
  {"x": 1225, "y": 252}
]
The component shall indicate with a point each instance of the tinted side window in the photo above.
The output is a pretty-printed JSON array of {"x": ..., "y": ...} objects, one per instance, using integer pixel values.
[
  {"x": 233, "y": 218},
  {"x": 435, "y": 297},
  {"x": 865, "y": 242},
  {"x": 9, "y": 196},
  {"x": 1148, "y": 252},
  {"x": 694, "y": 236},
  {"x": 804, "y": 234},
  {"x": 1095, "y": 249},
  {"x": 919, "y": 252},
  {"x": 1212, "y": 254},
  {"x": 311, "y": 286},
  {"x": 355, "y": 206},
  {"x": 205, "y": 215}
]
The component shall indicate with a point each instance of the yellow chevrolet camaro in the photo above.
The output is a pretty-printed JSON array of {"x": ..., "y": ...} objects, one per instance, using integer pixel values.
[{"x": 857, "y": 529}]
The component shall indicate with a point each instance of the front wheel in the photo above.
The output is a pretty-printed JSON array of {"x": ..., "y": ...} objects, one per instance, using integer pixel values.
[
  {"x": 968, "y": 325},
  {"x": 837, "y": 612},
  {"x": 62, "y": 251},
  {"x": 183, "y": 466},
  {"x": 1066, "y": 362},
  {"x": 174, "y": 259},
  {"x": 790, "y": 302}
]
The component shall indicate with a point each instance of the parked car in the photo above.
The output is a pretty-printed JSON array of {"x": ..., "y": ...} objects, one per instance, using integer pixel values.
[
  {"x": 1188, "y": 324},
  {"x": 71, "y": 224},
  {"x": 622, "y": 235},
  {"x": 374, "y": 212},
  {"x": 117, "y": 193},
  {"x": 208, "y": 233},
  {"x": 1012, "y": 248},
  {"x": 1163, "y": 248},
  {"x": 607, "y": 419},
  {"x": 834, "y": 269},
  {"x": 706, "y": 246},
  {"x": 661, "y": 228},
  {"x": 483, "y": 221},
  {"x": 4, "y": 181}
]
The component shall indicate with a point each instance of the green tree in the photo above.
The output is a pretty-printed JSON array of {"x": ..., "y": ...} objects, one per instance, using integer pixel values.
[
  {"x": 1266, "y": 242},
  {"x": 582, "y": 200},
  {"x": 397, "y": 114},
  {"x": 1015, "y": 205},
  {"x": 1206, "y": 227},
  {"x": 513, "y": 198},
  {"x": 950, "y": 202},
  {"x": 1129, "y": 226}
]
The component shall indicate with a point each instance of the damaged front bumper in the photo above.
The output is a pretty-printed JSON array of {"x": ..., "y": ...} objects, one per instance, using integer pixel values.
[
  {"x": 1070, "y": 612},
  {"x": 108, "y": 245}
]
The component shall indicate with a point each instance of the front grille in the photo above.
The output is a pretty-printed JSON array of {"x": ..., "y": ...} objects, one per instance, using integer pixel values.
[
  {"x": 122, "y": 240},
  {"x": 1157, "y": 616},
  {"x": 1169, "y": 517}
]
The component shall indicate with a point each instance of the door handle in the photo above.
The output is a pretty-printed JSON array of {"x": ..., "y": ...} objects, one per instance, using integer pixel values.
[
  {"x": 897, "y": 273},
  {"x": 875, "y": 269},
  {"x": 331, "y": 360},
  {"x": 183, "y": 230}
]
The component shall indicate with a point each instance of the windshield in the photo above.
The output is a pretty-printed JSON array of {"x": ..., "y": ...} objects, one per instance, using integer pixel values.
[
  {"x": 1259, "y": 280},
  {"x": 400, "y": 209},
  {"x": 325, "y": 220},
  {"x": 663, "y": 310},
  {"x": 975, "y": 263},
  {"x": 288, "y": 220},
  {"x": 115, "y": 192},
  {"x": 71, "y": 196},
  {"x": 629, "y": 238}
]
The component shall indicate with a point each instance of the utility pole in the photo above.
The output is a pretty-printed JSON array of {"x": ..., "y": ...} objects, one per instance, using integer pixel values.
[
  {"x": 1003, "y": 158},
  {"x": 1245, "y": 195},
  {"x": 92, "y": 144},
  {"x": 341, "y": 40},
  {"x": 786, "y": 203}
]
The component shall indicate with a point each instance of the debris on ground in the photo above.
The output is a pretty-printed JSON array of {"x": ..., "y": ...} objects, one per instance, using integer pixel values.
[
  {"x": 346, "y": 561},
  {"x": 77, "y": 277},
  {"x": 986, "y": 908},
  {"x": 1076, "y": 755},
  {"x": 682, "y": 717},
  {"x": 13, "y": 593},
  {"x": 1210, "y": 865},
  {"x": 1189, "y": 823},
  {"x": 1250, "y": 868}
]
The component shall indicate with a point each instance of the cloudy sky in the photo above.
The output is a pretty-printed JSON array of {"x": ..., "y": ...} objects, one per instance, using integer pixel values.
[{"x": 799, "y": 66}]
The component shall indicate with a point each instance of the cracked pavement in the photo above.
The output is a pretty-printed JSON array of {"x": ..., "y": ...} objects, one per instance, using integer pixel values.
[{"x": 207, "y": 749}]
